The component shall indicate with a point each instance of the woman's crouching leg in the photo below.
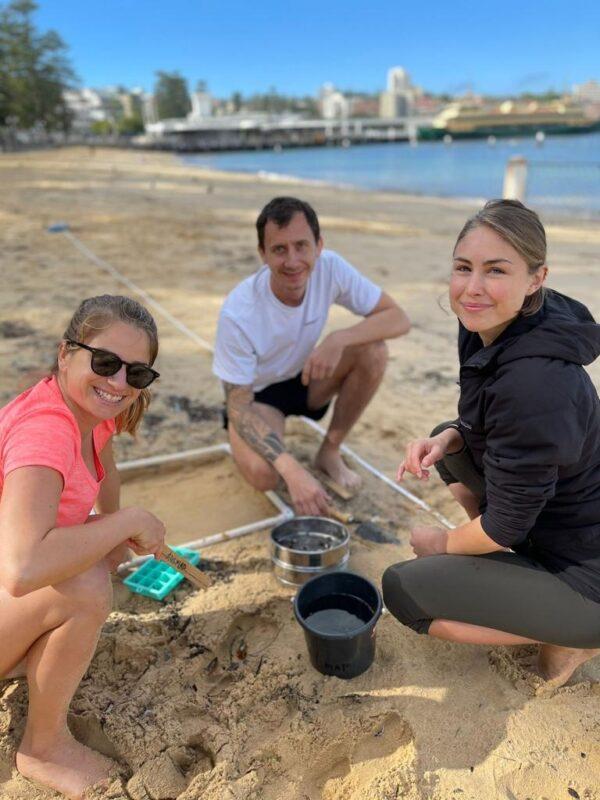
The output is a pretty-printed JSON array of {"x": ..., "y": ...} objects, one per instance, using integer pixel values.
[
  {"x": 55, "y": 665},
  {"x": 58, "y": 659},
  {"x": 404, "y": 593}
]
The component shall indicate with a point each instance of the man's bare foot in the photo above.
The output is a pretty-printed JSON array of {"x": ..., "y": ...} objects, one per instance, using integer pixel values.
[
  {"x": 330, "y": 461},
  {"x": 65, "y": 766},
  {"x": 556, "y": 664}
]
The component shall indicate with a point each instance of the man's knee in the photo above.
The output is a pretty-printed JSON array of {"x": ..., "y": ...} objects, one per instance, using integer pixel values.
[
  {"x": 399, "y": 597},
  {"x": 373, "y": 358},
  {"x": 90, "y": 592}
]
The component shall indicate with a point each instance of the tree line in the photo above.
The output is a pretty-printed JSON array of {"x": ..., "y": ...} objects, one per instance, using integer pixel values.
[{"x": 34, "y": 71}]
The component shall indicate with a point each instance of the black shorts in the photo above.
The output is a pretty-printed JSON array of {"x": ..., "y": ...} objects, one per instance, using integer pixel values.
[{"x": 290, "y": 397}]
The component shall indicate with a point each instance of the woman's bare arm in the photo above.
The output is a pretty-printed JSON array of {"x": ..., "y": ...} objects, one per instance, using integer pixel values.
[{"x": 33, "y": 551}]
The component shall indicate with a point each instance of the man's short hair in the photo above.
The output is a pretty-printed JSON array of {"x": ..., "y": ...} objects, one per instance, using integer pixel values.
[{"x": 280, "y": 210}]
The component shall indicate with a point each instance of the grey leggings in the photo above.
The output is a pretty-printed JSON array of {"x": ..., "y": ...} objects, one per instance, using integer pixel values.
[{"x": 504, "y": 591}]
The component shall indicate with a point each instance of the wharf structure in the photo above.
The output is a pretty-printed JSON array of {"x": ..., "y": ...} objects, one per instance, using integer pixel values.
[{"x": 273, "y": 132}]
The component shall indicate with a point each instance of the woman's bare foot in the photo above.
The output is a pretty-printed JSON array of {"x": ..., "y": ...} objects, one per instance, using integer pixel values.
[
  {"x": 556, "y": 664},
  {"x": 20, "y": 671},
  {"x": 65, "y": 765},
  {"x": 330, "y": 461}
]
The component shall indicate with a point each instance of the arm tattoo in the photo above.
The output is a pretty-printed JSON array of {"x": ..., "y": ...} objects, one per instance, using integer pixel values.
[{"x": 249, "y": 424}]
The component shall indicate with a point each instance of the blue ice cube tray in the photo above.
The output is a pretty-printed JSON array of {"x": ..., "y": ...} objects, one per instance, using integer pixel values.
[{"x": 156, "y": 579}]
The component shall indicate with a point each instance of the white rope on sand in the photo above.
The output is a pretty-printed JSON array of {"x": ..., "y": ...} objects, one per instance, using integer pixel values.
[
  {"x": 100, "y": 262},
  {"x": 114, "y": 272}
]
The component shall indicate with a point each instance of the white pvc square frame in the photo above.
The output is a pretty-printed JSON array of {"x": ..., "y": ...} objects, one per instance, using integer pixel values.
[{"x": 285, "y": 512}]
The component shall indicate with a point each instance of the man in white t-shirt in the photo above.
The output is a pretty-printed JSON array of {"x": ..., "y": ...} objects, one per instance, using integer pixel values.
[{"x": 267, "y": 355}]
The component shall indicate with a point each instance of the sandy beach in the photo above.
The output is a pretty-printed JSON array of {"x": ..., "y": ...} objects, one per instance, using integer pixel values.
[{"x": 172, "y": 694}]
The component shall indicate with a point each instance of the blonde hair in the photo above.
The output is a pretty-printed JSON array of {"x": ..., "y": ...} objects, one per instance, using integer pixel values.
[
  {"x": 98, "y": 313},
  {"x": 520, "y": 227}
]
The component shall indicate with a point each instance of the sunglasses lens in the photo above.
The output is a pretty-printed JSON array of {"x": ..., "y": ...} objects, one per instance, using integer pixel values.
[
  {"x": 139, "y": 376},
  {"x": 105, "y": 363}
]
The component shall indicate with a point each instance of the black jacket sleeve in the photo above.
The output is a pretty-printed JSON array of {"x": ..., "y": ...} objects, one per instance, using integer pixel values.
[{"x": 533, "y": 425}]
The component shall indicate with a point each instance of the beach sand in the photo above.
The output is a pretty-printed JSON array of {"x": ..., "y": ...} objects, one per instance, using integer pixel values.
[{"x": 211, "y": 694}]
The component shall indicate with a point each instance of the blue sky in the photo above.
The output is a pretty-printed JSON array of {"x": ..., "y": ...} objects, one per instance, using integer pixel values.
[{"x": 503, "y": 47}]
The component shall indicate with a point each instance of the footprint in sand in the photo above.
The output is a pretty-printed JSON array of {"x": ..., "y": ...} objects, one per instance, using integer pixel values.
[
  {"x": 248, "y": 637},
  {"x": 375, "y": 765}
]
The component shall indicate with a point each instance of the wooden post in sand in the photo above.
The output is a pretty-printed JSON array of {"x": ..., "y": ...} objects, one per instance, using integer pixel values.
[{"x": 515, "y": 179}]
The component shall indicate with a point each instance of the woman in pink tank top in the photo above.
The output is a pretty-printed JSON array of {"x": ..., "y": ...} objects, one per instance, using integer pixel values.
[{"x": 56, "y": 466}]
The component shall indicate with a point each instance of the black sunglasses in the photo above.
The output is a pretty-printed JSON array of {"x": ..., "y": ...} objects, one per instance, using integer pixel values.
[{"x": 105, "y": 363}]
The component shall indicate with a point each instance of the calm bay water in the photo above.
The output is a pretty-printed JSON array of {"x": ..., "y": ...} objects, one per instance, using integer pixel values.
[{"x": 564, "y": 173}]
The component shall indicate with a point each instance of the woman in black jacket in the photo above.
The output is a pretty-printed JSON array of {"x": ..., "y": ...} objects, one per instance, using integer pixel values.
[{"x": 523, "y": 459}]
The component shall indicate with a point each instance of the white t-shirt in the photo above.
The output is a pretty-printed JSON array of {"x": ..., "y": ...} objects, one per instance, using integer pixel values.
[{"x": 260, "y": 340}]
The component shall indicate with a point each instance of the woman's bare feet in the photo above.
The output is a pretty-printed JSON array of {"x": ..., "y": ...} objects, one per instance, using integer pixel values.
[
  {"x": 330, "y": 461},
  {"x": 556, "y": 664},
  {"x": 65, "y": 765},
  {"x": 17, "y": 672}
]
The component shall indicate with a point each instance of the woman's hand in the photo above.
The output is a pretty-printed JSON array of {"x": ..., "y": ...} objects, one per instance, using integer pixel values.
[
  {"x": 421, "y": 454},
  {"x": 428, "y": 540},
  {"x": 149, "y": 532}
]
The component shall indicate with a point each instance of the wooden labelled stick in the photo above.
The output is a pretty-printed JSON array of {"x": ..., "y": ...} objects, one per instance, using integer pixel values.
[
  {"x": 340, "y": 516},
  {"x": 192, "y": 573},
  {"x": 335, "y": 487}
]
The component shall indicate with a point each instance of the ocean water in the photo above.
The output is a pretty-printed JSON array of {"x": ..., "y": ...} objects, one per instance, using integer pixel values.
[{"x": 563, "y": 176}]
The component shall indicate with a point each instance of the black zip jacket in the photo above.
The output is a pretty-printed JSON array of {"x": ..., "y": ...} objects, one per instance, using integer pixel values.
[{"x": 530, "y": 415}]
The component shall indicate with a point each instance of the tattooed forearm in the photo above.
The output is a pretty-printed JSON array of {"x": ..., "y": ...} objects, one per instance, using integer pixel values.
[
  {"x": 257, "y": 433},
  {"x": 249, "y": 424}
]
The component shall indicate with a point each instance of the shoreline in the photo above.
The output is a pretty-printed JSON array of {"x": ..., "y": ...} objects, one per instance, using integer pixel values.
[
  {"x": 178, "y": 162},
  {"x": 273, "y": 178},
  {"x": 543, "y": 199},
  {"x": 587, "y": 215}
]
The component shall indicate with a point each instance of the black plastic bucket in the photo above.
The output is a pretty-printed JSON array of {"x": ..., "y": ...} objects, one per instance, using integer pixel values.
[{"x": 338, "y": 612}]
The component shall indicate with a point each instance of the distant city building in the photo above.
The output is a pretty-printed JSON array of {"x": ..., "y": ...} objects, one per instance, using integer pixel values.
[
  {"x": 132, "y": 102},
  {"x": 86, "y": 106},
  {"x": 398, "y": 99},
  {"x": 202, "y": 105},
  {"x": 398, "y": 80},
  {"x": 364, "y": 106},
  {"x": 425, "y": 104},
  {"x": 333, "y": 104},
  {"x": 149, "y": 113},
  {"x": 588, "y": 92},
  {"x": 109, "y": 105},
  {"x": 393, "y": 105}
]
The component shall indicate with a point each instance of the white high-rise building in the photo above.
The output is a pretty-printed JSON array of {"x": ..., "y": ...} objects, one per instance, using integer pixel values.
[
  {"x": 398, "y": 80},
  {"x": 397, "y": 100},
  {"x": 201, "y": 105},
  {"x": 333, "y": 103}
]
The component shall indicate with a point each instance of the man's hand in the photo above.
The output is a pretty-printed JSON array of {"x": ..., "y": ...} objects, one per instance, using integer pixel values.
[
  {"x": 309, "y": 498},
  {"x": 428, "y": 540},
  {"x": 324, "y": 359}
]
